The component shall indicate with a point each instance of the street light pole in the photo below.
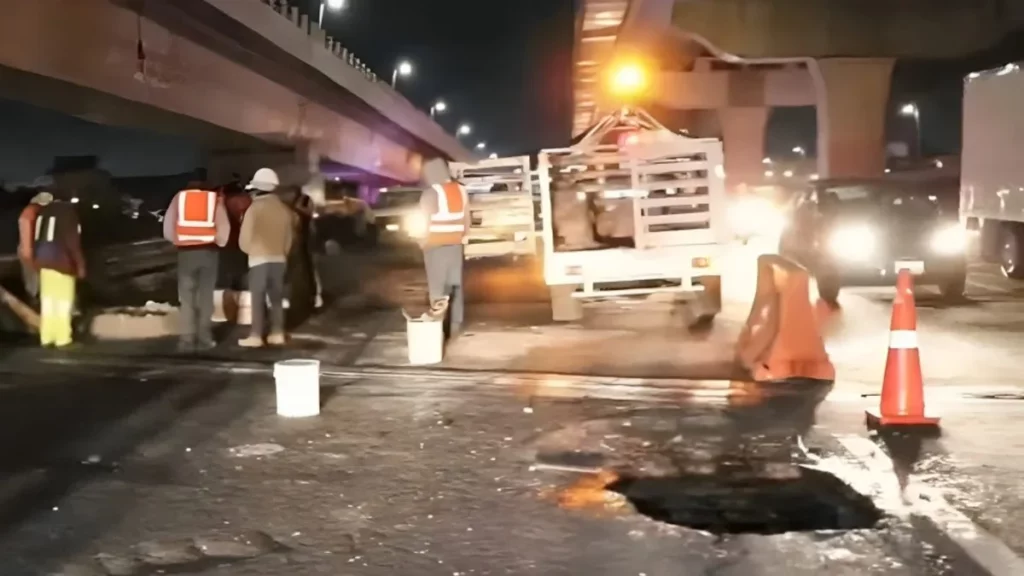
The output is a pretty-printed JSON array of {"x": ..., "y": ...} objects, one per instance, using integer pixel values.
[
  {"x": 404, "y": 68},
  {"x": 333, "y": 5},
  {"x": 438, "y": 108},
  {"x": 912, "y": 110}
]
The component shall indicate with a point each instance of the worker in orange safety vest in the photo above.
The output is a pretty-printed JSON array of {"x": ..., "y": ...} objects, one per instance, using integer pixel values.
[
  {"x": 445, "y": 206},
  {"x": 197, "y": 223}
]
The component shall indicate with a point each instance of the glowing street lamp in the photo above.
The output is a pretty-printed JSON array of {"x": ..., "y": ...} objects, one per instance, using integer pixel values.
[
  {"x": 439, "y": 107},
  {"x": 493, "y": 155},
  {"x": 403, "y": 69},
  {"x": 464, "y": 130},
  {"x": 800, "y": 150},
  {"x": 481, "y": 145},
  {"x": 332, "y": 5}
]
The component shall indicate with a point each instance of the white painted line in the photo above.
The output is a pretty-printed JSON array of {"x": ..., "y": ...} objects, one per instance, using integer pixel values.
[
  {"x": 985, "y": 549},
  {"x": 989, "y": 287}
]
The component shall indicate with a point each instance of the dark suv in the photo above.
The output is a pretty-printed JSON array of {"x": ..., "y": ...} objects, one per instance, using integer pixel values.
[{"x": 862, "y": 232}]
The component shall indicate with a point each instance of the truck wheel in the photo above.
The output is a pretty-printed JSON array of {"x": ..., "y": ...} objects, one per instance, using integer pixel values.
[
  {"x": 710, "y": 301},
  {"x": 565, "y": 308},
  {"x": 1010, "y": 244},
  {"x": 952, "y": 289}
]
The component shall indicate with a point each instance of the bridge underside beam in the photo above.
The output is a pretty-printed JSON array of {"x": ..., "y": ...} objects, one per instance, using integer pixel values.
[
  {"x": 93, "y": 44},
  {"x": 826, "y": 28},
  {"x": 747, "y": 88}
]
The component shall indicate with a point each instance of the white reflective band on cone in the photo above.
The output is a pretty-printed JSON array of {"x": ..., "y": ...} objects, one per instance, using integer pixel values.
[{"x": 903, "y": 339}]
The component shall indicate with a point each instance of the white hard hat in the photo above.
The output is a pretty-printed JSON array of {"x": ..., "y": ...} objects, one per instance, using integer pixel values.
[{"x": 264, "y": 180}]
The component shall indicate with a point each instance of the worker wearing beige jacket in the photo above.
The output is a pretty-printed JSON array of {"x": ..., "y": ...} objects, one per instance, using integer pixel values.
[{"x": 266, "y": 236}]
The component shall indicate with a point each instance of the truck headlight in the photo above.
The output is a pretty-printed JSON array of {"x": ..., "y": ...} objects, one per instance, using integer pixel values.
[
  {"x": 949, "y": 240},
  {"x": 855, "y": 243},
  {"x": 753, "y": 215},
  {"x": 415, "y": 225}
]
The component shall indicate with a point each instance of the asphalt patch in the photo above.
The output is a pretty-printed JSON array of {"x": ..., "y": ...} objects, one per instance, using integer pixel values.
[{"x": 810, "y": 501}]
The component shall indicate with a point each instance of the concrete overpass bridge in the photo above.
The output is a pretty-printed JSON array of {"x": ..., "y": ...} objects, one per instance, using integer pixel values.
[
  {"x": 253, "y": 80},
  {"x": 739, "y": 58}
]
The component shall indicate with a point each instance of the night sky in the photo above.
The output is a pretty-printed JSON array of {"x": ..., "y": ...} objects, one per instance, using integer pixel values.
[{"x": 502, "y": 67}]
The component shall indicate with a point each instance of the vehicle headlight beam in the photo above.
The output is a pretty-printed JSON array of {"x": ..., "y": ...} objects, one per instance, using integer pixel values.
[
  {"x": 853, "y": 243},
  {"x": 949, "y": 240}
]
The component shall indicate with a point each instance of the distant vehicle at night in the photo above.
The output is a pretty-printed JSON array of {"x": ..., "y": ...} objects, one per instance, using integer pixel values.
[
  {"x": 861, "y": 232},
  {"x": 397, "y": 216},
  {"x": 345, "y": 221},
  {"x": 992, "y": 166}
]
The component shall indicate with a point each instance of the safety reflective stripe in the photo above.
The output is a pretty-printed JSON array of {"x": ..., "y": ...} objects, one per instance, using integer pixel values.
[
  {"x": 195, "y": 238},
  {"x": 444, "y": 212},
  {"x": 49, "y": 228},
  {"x": 211, "y": 207},
  {"x": 444, "y": 220},
  {"x": 903, "y": 340}
]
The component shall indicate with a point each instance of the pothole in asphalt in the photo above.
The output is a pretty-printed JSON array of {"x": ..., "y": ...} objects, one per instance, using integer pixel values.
[{"x": 810, "y": 501}]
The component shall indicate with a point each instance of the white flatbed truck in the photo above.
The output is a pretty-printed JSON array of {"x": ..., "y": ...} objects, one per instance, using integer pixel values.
[{"x": 673, "y": 235}]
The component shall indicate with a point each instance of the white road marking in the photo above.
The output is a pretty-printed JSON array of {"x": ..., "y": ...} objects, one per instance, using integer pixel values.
[{"x": 986, "y": 550}]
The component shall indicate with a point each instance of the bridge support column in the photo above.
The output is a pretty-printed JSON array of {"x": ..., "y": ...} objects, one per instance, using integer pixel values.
[
  {"x": 743, "y": 136},
  {"x": 852, "y": 97}
]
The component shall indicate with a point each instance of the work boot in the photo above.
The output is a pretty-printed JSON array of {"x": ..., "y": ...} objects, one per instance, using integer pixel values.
[
  {"x": 276, "y": 339},
  {"x": 205, "y": 345},
  {"x": 251, "y": 342}
]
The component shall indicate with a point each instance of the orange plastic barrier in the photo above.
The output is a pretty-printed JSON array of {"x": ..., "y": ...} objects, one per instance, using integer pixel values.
[
  {"x": 902, "y": 400},
  {"x": 781, "y": 339}
]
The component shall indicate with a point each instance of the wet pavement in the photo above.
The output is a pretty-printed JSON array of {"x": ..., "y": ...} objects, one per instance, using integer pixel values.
[
  {"x": 615, "y": 446},
  {"x": 453, "y": 477}
]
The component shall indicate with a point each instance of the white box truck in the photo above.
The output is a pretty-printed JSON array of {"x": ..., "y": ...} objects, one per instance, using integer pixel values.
[{"x": 992, "y": 165}]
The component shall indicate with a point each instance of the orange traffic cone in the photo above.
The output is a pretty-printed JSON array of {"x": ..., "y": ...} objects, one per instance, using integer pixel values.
[{"x": 903, "y": 387}]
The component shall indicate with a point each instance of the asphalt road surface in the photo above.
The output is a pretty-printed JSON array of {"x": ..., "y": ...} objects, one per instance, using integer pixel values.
[{"x": 615, "y": 446}]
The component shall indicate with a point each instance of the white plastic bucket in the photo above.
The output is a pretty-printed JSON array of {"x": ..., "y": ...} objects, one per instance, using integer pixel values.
[
  {"x": 298, "y": 387},
  {"x": 425, "y": 340}
]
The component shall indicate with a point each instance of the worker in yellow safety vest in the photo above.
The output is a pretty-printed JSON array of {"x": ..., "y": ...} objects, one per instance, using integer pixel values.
[
  {"x": 197, "y": 223},
  {"x": 445, "y": 206}
]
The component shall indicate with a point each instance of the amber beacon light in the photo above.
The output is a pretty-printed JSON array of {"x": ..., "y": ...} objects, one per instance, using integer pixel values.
[{"x": 628, "y": 80}]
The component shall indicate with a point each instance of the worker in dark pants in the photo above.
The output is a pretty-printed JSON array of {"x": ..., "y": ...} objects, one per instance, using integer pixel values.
[
  {"x": 197, "y": 223},
  {"x": 445, "y": 205},
  {"x": 268, "y": 230}
]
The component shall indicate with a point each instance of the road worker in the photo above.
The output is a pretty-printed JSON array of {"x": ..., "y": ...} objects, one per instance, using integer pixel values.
[
  {"x": 197, "y": 223},
  {"x": 268, "y": 230},
  {"x": 445, "y": 205},
  {"x": 57, "y": 255}
]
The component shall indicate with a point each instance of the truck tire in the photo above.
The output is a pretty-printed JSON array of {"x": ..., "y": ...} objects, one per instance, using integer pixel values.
[
  {"x": 1011, "y": 242},
  {"x": 565, "y": 308},
  {"x": 952, "y": 289},
  {"x": 710, "y": 301}
]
